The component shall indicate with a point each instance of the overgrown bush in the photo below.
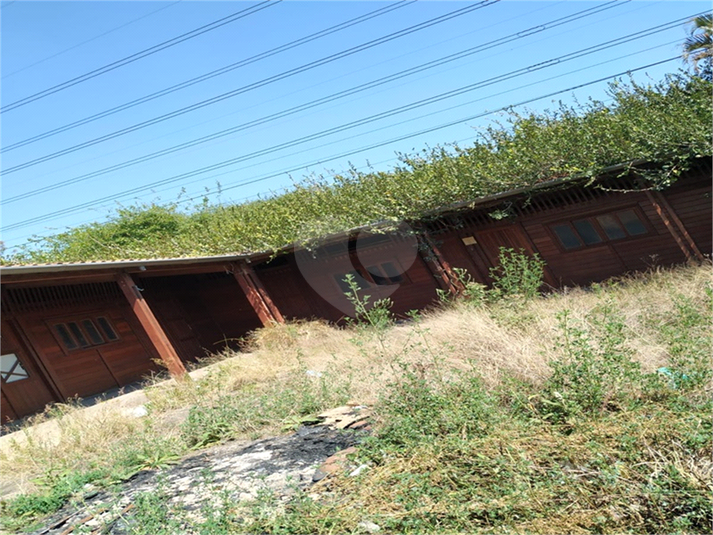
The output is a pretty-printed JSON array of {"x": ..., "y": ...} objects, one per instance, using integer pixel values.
[
  {"x": 374, "y": 316},
  {"x": 596, "y": 371},
  {"x": 666, "y": 125},
  {"x": 517, "y": 274}
]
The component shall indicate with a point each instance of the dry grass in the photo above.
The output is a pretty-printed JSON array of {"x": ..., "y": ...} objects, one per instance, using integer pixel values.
[{"x": 517, "y": 339}]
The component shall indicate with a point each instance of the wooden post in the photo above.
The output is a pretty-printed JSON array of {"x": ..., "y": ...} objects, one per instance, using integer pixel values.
[
  {"x": 150, "y": 324},
  {"x": 440, "y": 267},
  {"x": 257, "y": 295},
  {"x": 665, "y": 210}
]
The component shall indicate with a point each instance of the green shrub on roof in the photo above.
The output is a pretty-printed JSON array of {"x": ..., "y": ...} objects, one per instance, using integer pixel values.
[{"x": 667, "y": 125}]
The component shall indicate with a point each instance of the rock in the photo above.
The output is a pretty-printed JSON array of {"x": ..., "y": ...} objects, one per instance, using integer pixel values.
[
  {"x": 368, "y": 527},
  {"x": 238, "y": 471},
  {"x": 345, "y": 417},
  {"x": 359, "y": 469},
  {"x": 333, "y": 464}
]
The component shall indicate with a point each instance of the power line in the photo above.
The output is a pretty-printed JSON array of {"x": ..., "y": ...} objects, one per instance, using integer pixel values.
[
  {"x": 112, "y": 30},
  {"x": 335, "y": 96},
  {"x": 392, "y": 112},
  {"x": 212, "y": 74},
  {"x": 437, "y": 112},
  {"x": 453, "y": 123},
  {"x": 88, "y": 204},
  {"x": 142, "y": 54},
  {"x": 303, "y": 167},
  {"x": 256, "y": 85}
]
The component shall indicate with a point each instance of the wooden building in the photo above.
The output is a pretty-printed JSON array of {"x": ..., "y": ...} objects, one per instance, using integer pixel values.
[{"x": 81, "y": 329}]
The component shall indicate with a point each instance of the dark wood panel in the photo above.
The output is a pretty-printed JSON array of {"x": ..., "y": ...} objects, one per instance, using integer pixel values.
[
  {"x": 29, "y": 395},
  {"x": 7, "y": 412},
  {"x": 85, "y": 372},
  {"x": 693, "y": 207}
]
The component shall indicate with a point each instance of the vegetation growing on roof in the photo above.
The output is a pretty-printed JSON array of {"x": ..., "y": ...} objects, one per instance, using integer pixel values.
[{"x": 666, "y": 124}]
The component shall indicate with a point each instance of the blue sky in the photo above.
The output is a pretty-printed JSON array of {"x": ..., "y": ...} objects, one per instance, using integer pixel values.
[{"x": 81, "y": 177}]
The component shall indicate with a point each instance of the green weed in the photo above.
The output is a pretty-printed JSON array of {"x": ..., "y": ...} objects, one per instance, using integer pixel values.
[{"x": 517, "y": 274}]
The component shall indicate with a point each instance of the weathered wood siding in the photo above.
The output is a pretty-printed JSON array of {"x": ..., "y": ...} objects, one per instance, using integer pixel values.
[
  {"x": 206, "y": 310},
  {"x": 692, "y": 202},
  {"x": 531, "y": 229},
  {"x": 305, "y": 284},
  {"x": 200, "y": 314},
  {"x": 24, "y": 396}
]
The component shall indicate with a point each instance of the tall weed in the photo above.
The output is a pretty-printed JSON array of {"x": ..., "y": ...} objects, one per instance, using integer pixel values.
[
  {"x": 596, "y": 371},
  {"x": 517, "y": 274}
]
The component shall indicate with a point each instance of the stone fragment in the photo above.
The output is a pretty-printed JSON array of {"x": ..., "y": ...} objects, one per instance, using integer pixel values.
[{"x": 368, "y": 527}]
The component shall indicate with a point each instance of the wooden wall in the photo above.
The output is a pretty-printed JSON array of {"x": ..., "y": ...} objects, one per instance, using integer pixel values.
[
  {"x": 200, "y": 314},
  {"x": 531, "y": 228},
  {"x": 203, "y": 313},
  {"x": 61, "y": 368},
  {"x": 305, "y": 284},
  {"x": 692, "y": 200}
]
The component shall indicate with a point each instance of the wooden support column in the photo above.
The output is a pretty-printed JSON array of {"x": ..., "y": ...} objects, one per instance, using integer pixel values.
[
  {"x": 257, "y": 295},
  {"x": 151, "y": 325},
  {"x": 674, "y": 225},
  {"x": 440, "y": 267}
]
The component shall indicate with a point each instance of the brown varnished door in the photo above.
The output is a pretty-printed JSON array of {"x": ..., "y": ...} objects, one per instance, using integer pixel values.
[
  {"x": 488, "y": 244},
  {"x": 75, "y": 370}
]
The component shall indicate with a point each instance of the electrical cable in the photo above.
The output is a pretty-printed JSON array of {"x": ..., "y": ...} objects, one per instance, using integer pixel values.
[
  {"x": 335, "y": 96},
  {"x": 140, "y": 55},
  {"x": 394, "y": 111},
  {"x": 256, "y": 85},
  {"x": 212, "y": 74},
  {"x": 458, "y": 121},
  {"x": 112, "y": 30},
  {"x": 97, "y": 202},
  {"x": 437, "y": 112}
]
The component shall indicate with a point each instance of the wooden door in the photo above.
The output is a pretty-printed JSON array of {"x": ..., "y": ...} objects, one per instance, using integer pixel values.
[
  {"x": 24, "y": 388},
  {"x": 79, "y": 363},
  {"x": 486, "y": 250},
  {"x": 172, "y": 317},
  {"x": 76, "y": 368}
]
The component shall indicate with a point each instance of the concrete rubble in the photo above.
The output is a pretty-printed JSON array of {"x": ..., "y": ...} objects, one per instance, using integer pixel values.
[{"x": 233, "y": 471}]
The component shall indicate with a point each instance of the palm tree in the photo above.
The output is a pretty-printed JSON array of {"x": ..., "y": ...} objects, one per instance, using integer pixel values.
[{"x": 698, "y": 46}]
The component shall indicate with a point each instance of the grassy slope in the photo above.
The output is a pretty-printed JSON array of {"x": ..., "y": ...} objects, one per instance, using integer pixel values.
[{"x": 540, "y": 416}]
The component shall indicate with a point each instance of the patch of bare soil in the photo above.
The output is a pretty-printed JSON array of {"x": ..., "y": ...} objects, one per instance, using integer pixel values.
[{"x": 234, "y": 471}]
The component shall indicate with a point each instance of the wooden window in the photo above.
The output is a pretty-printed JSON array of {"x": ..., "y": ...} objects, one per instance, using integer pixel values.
[
  {"x": 633, "y": 225},
  {"x": 92, "y": 332},
  {"x": 567, "y": 236},
  {"x": 392, "y": 272},
  {"x": 344, "y": 287},
  {"x": 587, "y": 232},
  {"x": 84, "y": 333},
  {"x": 107, "y": 329},
  {"x": 377, "y": 276},
  {"x": 11, "y": 370},
  {"x": 599, "y": 229},
  {"x": 385, "y": 274},
  {"x": 78, "y": 334},
  {"x": 65, "y": 337},
  {"x": 611, "y": 226}
]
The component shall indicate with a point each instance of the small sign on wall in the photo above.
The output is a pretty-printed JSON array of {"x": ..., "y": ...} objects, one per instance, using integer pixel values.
[{"x": 469, "y": 240}]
